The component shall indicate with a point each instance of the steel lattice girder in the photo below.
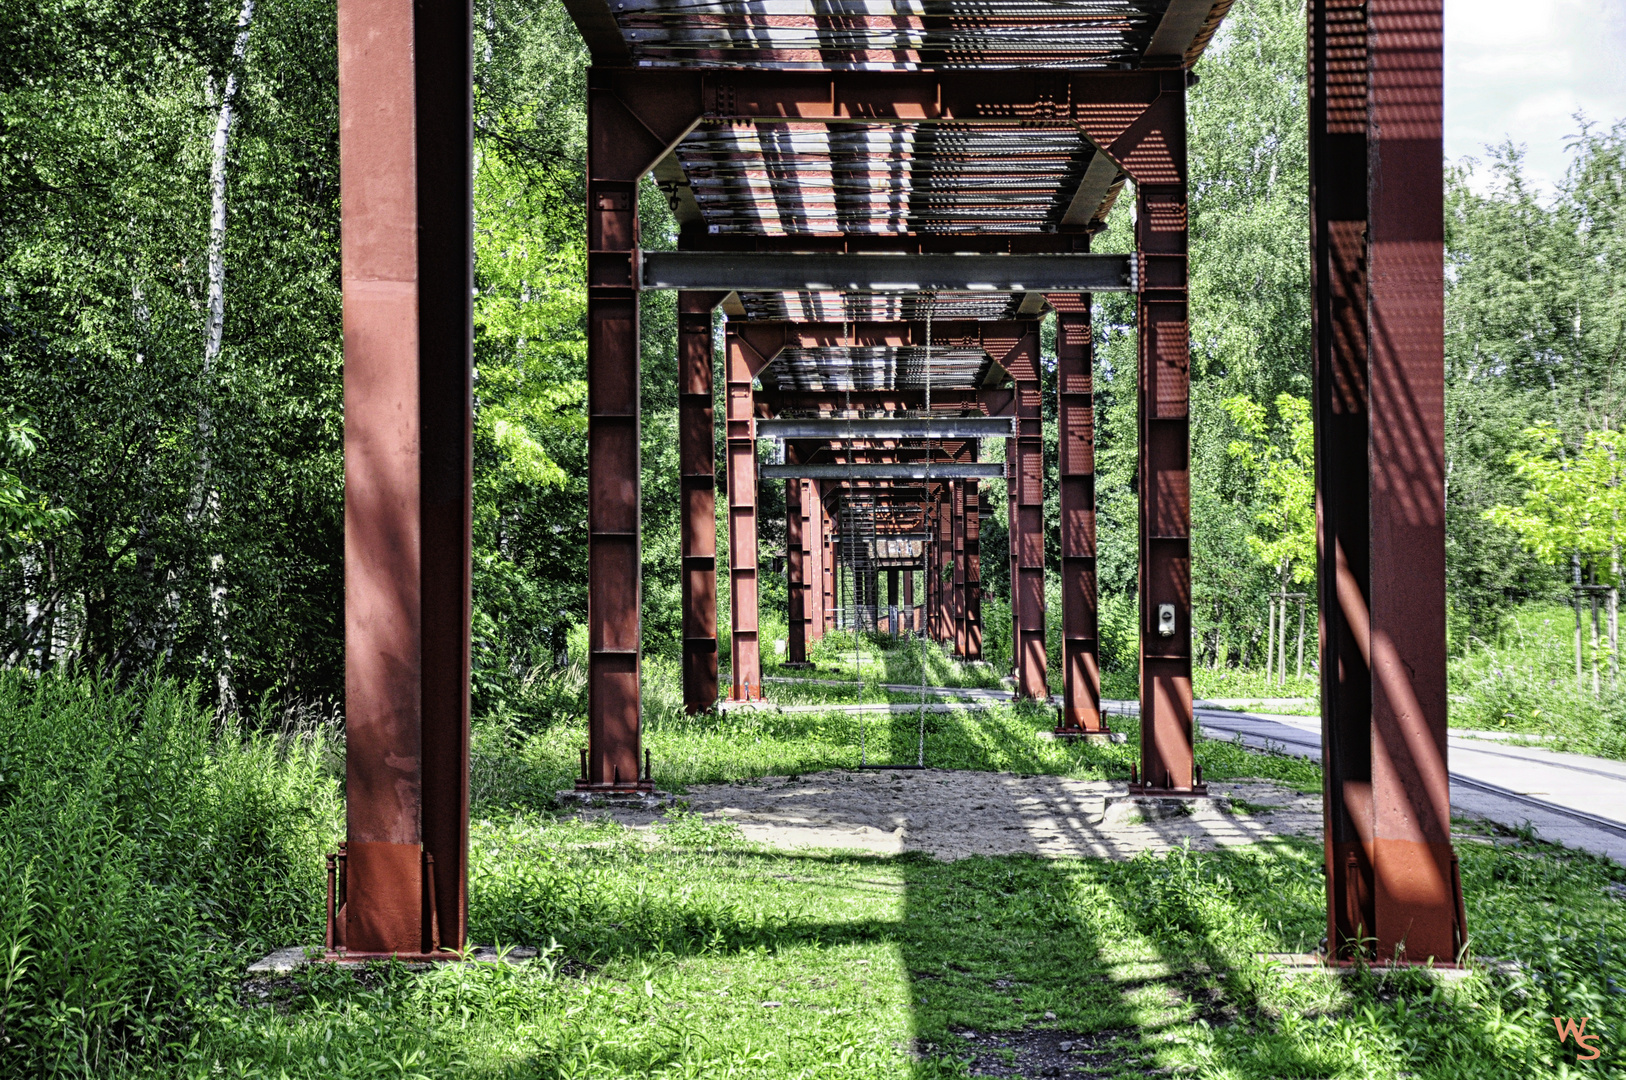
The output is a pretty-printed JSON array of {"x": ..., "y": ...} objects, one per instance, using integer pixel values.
[{"x": 902, "y": 273}]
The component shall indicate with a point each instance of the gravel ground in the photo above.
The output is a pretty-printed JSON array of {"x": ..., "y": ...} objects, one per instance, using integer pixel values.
[{"x": 954, "y": 814}]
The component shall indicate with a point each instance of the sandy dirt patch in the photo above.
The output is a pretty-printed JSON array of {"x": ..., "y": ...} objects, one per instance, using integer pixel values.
[{"x": 954, "y": 814}]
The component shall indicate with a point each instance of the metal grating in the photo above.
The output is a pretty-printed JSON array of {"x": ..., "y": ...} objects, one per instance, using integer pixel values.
[
  {"x": 834, "y": 179},
  {"x": 887, "y": 34},
  {"x": 877, "y": 367}
]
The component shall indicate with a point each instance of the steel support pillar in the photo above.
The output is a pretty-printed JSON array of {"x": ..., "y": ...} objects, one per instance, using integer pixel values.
[
  {"x": 957, "y": 605},
  {"x": 827, "y": 565},
  {"x": 1378, "y": 282},
  {"x": 1075, "y": 415},
  {"x": 797, "y": 527},
  {"x": 973, "y": 571},
  {"x": 943, "y": 628},
  {"x": 911, "y": 619},
  {"x": 624, "y": 140},
  {"x": 407, "y": 254},
  {"x": 741, "y": 464},
  {"x": 1168, "y": 764},
  {"x": 697, "y": 468},
  {"x": 1027, "y": 521},
  {"x": 893, "y": 615}
]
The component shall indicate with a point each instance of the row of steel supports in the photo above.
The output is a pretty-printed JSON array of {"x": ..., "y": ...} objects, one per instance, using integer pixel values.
[{"x": 1377, "y": 225}]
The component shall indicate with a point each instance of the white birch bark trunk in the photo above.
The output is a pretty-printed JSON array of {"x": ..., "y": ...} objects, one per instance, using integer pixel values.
[{"x": 206, "y": 496}]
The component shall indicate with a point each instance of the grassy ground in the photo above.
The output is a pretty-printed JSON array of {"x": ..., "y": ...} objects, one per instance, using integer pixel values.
[{"x": 697, "y": 954}]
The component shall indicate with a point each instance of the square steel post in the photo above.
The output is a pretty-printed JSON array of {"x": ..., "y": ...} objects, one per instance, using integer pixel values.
[
  {"x": 742, "y": 519},
  {"x": 1027, "y": 511},
  {"x": 911, "y": 620},
  {"x": 405, "y": 151},
  {"x": 697, "y": 468},
  {"x": 1167, "y": 735},
  {"x": 827, "y": 563},
  {"x": 957, "y": 605},
  {"x": 1075, "y": 409},
  {"x": 943, "y": 577},
  {"x": 973, "y": 570},
  {"x": 1377, "y": 227},
  {"x": 796, "y": 566}
]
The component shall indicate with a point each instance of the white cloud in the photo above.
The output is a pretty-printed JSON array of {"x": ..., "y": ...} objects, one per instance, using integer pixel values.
[{"x": 1522, "y": 69}]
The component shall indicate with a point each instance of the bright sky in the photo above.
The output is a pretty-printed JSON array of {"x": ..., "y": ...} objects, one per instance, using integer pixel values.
[{"x": 1521, "y": 69}]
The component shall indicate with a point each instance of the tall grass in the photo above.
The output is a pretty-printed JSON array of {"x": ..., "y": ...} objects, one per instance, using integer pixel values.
[
  {"x": 1523, "y": 682},
  {"x": 146, "y": 851}
]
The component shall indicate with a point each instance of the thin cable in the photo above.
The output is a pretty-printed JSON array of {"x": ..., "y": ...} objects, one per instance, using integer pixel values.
[
  {"x": 920, "y": 750},
  {"x": 858, "y": 664}
]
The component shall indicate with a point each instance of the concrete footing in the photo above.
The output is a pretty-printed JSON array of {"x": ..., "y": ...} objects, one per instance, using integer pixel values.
[
  {"x": 1135, "y": 809},
  {"x": 1099, "y": 737},
  {"x": 598, "y": 800},
  {"x": 284, "y": 961}
]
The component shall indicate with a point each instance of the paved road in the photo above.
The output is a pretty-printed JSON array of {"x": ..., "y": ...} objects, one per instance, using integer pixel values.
[{"x": 1570, "y": 799}]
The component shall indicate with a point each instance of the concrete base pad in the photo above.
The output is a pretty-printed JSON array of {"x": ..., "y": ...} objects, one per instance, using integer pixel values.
[
  {"x": 290, "y": 959},
  {"x": 632, "y": 800},
  {"x": 1133, "y": 809},
  {"x": 1101, "y": 737}
]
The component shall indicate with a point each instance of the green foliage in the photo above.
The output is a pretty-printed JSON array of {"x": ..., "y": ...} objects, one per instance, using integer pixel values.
[
  {"x": 147, "y": 851},
  {"x": 1572, "y": 502},
  {"x": 23, "y": 513},
  {"x": 1284, "y": 468}
]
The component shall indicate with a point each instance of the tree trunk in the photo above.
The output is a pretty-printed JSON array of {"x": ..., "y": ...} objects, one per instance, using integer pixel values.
[{"x": 206, "y": 494}]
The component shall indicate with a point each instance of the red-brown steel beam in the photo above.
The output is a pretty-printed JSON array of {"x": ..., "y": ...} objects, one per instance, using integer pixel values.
[
  {"x": 911, "y": 619},
  {"x": 1377, "y": 226},
  {"x": 1168, "y": 762},
  {"x": 973, "y": 571},
  {"x": 697, "y": 469},
  {"x": 743, "y": 360},
  {"x": 1026, "y": 487},
  {"x": 629, "y": 129},
  {"x": 1107, "y": 104},
  {"x": 405, "y": 130},
  {"x": 957, "y": 604},
  {"x": 1075, "y": 418},
  {"x": 798, "y": 562},
  {"x": 982, "y": 243},
  {"x": 827, "y": 560}
]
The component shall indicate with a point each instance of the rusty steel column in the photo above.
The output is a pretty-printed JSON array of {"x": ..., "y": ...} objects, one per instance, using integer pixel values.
[
  {"x": 795, "y": 574},
  {"x": 906, "y": 600},
  {"x": 1027, "y": 512},
  {"x": 405, "y": 130},
  {"x": 1377, "y": 227},
  {"x": 944, "y": 565},
  {"x": 827, "y": 564},
  {"x": 1075, "y": 416},
  {"x": 1167, "y": 751},
  {"x": 742, "y": 520},
  {"x": 973, "y": 571},
  {"x": 957, "y": 604},
  {"x": 813, "y": 537},
  {"x": 894, "y": 614},
  {"x": 624, "y": 140},
  {"x": 697, "y": 469}
]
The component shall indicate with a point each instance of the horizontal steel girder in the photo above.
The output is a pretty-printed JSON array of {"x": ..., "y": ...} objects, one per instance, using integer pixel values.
[
  {"x": 917, "y": 427},
  {"x": 758, "y": 272},
  {"x": 903, "y": 470}
]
